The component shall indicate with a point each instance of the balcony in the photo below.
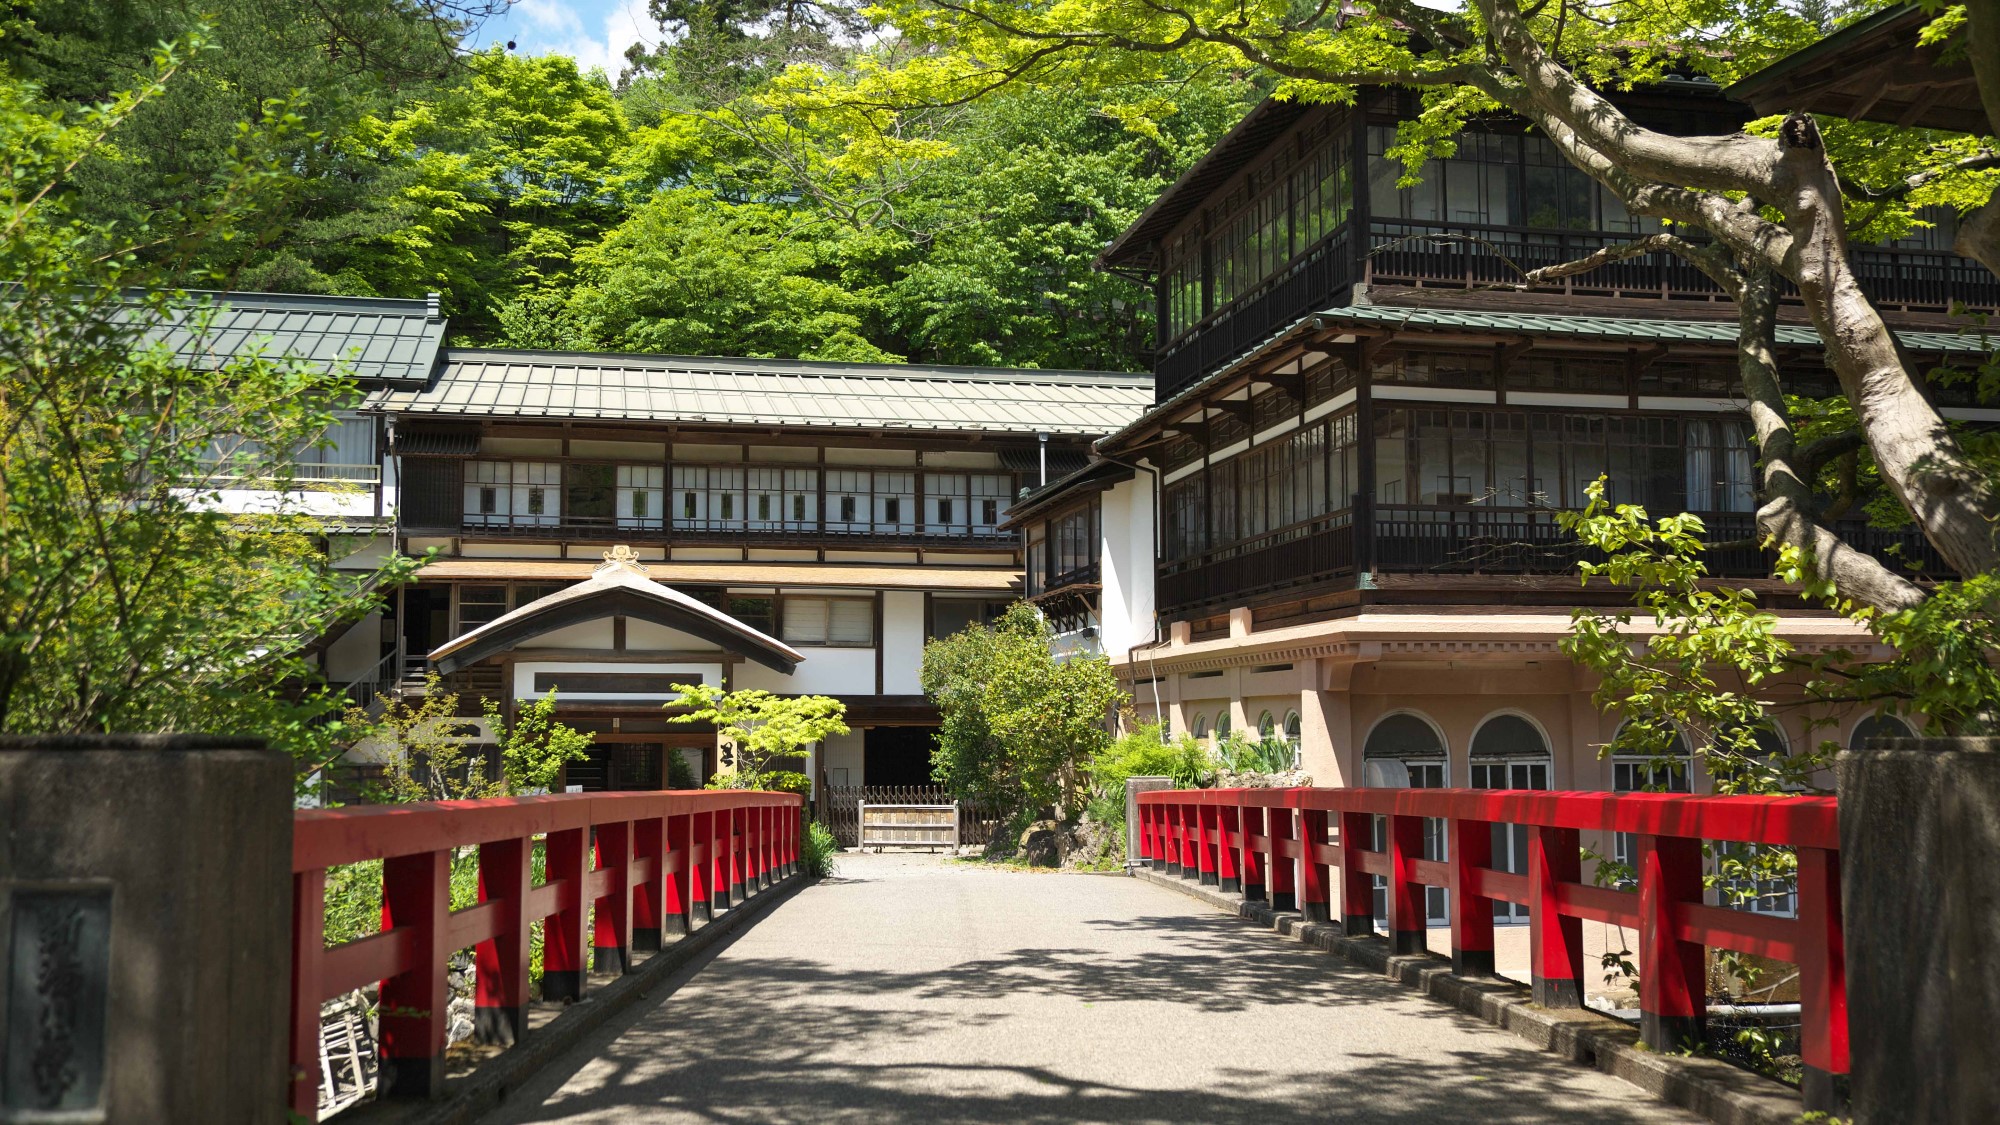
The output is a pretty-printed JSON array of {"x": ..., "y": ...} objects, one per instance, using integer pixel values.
[
  {"x": 1466, "y": 255},
  {"x": 1463, "y": 541},
  {"x": 1422, "y": 253},
  {"x": 717, "y": 533}
]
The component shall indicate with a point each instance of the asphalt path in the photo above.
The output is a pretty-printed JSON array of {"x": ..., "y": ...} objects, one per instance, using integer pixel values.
[{"x": 919, "y": 989}]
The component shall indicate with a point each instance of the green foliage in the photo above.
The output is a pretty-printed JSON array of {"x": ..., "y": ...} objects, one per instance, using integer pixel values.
[
  {"x": 1020, "y": 726},
  {"x": 817, "y": 849},
  {"x": 1142, "y": 751},
  {"x": 534, "y": 749},
  {"x": 770, "y": 781},
  {"x": 757, "y": 728},
  {"x": 429, "y": 752},
  {"x": 681, "y": 772},
  {"x": 1240, "y": 754},
  {"x": 128, "y": 600}
]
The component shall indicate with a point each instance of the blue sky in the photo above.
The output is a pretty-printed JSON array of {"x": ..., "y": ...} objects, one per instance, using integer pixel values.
[{"x": 596, "y": 32}]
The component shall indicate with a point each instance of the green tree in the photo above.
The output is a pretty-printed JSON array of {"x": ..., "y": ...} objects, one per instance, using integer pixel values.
[
  {"x": 758, "y": 729},
  {"x": 129, "y": 600},
  {"x": 1020, "y": 726},
  {"x": 534, "y": 748},
  {"x": 428, "y": 751},
  {"x": 1780, "y": 202}
]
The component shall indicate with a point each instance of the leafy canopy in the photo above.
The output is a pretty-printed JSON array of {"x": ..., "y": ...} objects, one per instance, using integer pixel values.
[
  {"x": 758, "y": 728},
  {"x": 1020, "y": 725}
]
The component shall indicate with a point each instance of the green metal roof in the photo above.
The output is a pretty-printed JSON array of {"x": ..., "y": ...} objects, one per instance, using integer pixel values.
[
  {"x": 1640, "y": 330},
  {"x": 1636, "y": 329},
  {"x": 380, "y": 339}
]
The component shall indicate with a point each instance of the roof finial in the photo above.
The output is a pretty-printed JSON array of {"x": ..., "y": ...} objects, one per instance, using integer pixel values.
[{"x": 623, "y": 556}]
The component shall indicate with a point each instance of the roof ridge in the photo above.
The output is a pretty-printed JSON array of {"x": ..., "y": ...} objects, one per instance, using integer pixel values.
[{"x": 717, "y": 365}]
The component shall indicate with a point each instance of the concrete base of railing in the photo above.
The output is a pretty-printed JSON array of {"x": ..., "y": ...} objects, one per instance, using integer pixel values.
[
  {"x": 1722, "y": 1093},
  {"x": 468, "y": 1098}
]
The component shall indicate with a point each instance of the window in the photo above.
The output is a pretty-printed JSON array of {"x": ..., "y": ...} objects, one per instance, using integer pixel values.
[
  {"x": 591, "y": 493},
  {"x": 517, "y": 493},
  {"x": 1294, "y": 734},
  {"x": 955, "y": 615},
  {"x": 829, "y": 621},
  {"x": 989, "y": 512},
  {"x": 759, "y": 611},
  {"x": 639, "y": 488},
  {"x": 1405, "y": 751},
  {"x": 1222, "y": 725},
  {"x": 1877, "y": 726},
  {"x": 1267, "y": 727},
  {"x": 798, "y": 509},
  {"x": 1075, "y": 536},
  {"x": 948, "y": 493},
  {"x": 1200, "y": 727},
  {"x": 478, "y": 605}
]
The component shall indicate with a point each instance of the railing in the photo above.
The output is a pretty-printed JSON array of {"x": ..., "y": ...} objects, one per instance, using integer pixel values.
[
  {"x": 1318, "y": 551},
  {"x": 838, "y": 808},
  {"x": 1292, "y": 847},
  {"x": 1470, "y": 255},
  {"x": 662, "y": 860},
  {"x": 704, "y": 533}
]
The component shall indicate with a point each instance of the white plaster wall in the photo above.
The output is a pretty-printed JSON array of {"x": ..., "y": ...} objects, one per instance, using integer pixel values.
[
  {"x": 843, "y": 752},
  {"x": 902, "y": 642},
  {"x": 826, "y": 671},
  {"x": 589, "y": 634},
  {"x": 524, "y": 677},
  {"x": 645, "y": 634},
  {"x": 1125, "y": 607},
  {"x": 357, "y": 651},
  {"x": 511, "y": 550},
  {"x": 357, "y": 503}
]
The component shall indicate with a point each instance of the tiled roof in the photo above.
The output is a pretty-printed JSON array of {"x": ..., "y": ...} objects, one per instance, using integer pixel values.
[
  {"x": 381, "y": 339},
  {"x": 1628, "y": 328},
  {"x": 1636, "y": 329},
  {"x": 524, "y": 384}
]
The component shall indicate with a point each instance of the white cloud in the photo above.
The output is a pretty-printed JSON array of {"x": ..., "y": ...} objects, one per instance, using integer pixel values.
[{"x": 595, "y": 34}]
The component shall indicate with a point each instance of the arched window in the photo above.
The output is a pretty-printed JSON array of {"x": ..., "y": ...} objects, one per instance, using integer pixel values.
[
  {"x": 1201, "y": 726},
  {"x": 1293, "y": 732},
  {"x": 1403, "y": 751},
  {"x": 1222, "y": 724},
  {"x": 1406, "y": 751},
  {"x": 1878, "y": 726},
  {"x": 1267, "y": 727},
  {"x": 1669, "y": 772},
  {"x": 1509, "y": 752}
]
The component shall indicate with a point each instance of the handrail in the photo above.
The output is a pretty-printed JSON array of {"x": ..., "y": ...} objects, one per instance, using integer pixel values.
[
  {"x": 661, "y": 860},
  {"x": 1292, "y": 847}
]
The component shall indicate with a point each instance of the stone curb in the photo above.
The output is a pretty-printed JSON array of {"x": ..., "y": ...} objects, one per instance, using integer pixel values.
[
  {"x": 1718, "y": 1091},
  {"x": 469, "y": 1098}
]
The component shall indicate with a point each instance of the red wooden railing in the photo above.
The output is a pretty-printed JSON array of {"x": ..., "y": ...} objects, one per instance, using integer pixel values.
[
  {"x": 1293, "y": 846},
  {"x": 661, "y": 859}
]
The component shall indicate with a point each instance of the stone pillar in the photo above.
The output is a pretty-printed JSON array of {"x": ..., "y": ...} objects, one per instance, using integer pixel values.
[
  {"x": 1133, "y": 787},
  {"x": 1920, "y": 845},
  {"x": 145, "y": 933}
]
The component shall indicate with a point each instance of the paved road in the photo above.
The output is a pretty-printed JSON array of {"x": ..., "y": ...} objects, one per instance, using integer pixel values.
[{"x": 912, "y": 989}]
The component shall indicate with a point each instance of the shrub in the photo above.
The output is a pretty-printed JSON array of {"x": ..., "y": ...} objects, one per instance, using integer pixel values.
[
  {"x": 1144, "y": 752},
  {"x": 771, "y": 781},
  {"x": 817, "y": 850}
]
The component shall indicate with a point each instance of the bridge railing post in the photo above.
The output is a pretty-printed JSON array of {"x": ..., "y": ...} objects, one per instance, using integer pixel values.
[
  {"x": 1470, "y": 847},
  {"x": 1409, "y": 919},
  {"x": 500, "y": 963},
  {"x": 1822, "y": 982},
  {"x": 308, "y": 958},
  {"x": 1281, "y": 844},
  {"x": 416, "y": 896},
  {"x": 1314, "y": 899},
  {"x": 1673, "y": 987},
  {"x": 1357, "y": 890},
  {"x": 565, "y": 862},
  {"x": 610, "y": 944},
  {"x": 1184, "y": 831},
  {"x": 1207, "y": 847},
  {"x": 1256, "y": 825},
  {"x": 1555, "y": 939},
  {"x": 649, "y": 873},
  {"x": 1229, "y": 848}
]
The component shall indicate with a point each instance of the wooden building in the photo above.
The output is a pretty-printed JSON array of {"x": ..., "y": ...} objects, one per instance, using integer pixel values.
[{"x": 1336, "y": 523}]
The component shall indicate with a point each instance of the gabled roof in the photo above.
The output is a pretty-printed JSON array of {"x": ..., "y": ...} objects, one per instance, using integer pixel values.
[
  {"x": 381, "y": 339},
  {"x": 473, "y": 382},
  {"x": 619, "y": 587},
  {"x": 1874, "y": 69}
]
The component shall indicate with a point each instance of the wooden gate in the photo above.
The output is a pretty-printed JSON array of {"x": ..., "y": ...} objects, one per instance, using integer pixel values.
[
  {"x": 839, "y": 808},
  {"x": 908, "y": 826}
]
